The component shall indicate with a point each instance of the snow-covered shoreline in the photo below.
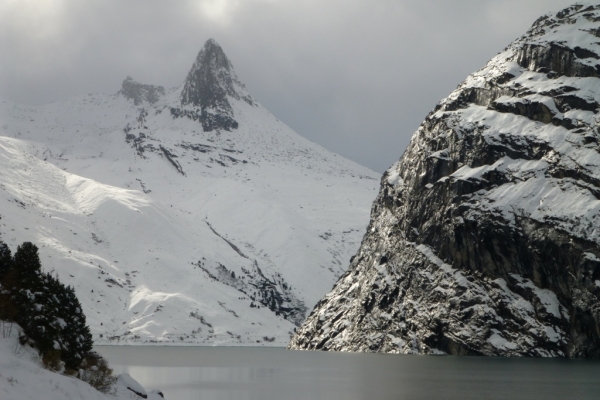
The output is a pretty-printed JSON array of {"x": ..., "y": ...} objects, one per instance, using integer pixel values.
[{"x": 23, "y": 377}]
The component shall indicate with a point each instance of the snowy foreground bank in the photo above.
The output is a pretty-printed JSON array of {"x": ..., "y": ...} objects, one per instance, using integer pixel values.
[{"x": 22, "y": 377}]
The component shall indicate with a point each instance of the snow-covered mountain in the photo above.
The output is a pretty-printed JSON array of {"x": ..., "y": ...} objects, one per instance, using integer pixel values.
[
  {"x": 189, "y": 215},
  {"x": 485, "y": 236}
]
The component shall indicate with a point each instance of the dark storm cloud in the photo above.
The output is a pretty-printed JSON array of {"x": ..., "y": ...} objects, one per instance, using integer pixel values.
[{"x": 355, "y": 77}]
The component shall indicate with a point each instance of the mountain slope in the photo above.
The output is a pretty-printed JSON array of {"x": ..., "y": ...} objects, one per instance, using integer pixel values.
[
  {"x": 485, "y": 236},
  {"x": 176, "y": 220}
]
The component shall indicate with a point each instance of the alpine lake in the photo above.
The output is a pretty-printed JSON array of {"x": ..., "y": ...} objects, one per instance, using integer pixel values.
[{"x": 249, "y": 373}]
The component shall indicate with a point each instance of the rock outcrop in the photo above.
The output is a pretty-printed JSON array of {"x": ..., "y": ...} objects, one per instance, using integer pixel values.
[
  {"x": 140, "y": 93},
  {"x": 485, "y": 236}
]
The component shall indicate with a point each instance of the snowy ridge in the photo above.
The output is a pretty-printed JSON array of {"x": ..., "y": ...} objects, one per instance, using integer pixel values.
[
  {"x": 488, "y": 228},
  {"x": 172, "y": 233}
]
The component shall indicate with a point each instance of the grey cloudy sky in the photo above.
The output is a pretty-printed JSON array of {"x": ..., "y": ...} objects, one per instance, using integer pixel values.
[{"x": 357, "y": 77}]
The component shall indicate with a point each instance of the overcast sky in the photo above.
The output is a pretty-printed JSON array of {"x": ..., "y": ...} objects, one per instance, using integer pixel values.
[{"x": 357, "y": 77}]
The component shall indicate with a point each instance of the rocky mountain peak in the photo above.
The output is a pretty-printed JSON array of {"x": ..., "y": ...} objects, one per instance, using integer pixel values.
[
  {"x": 485, "y": 236},
  {"x": 210, "y": 85}
]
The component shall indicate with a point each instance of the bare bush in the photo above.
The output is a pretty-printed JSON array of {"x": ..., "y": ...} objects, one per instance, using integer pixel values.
[
  {"x": 95, "y": 371},
  {"x": 51, "y": 360}
]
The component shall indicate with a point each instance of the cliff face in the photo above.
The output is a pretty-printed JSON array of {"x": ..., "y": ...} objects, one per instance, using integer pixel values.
[{"x": 485, "y": 236}]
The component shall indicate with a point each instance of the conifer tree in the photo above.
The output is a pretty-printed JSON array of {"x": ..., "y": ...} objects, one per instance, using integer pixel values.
[
  {"x": 48, "y": 311},
  {"x": 28, "y": 265},
  {"x": 76, "y": 336},
  {"x": 29, "y": 297},
  {"x": 6, "y": 260},
  {"x": 8, "y": 309}
]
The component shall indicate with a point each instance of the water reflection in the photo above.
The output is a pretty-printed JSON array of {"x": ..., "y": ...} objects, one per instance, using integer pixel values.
[{"x": 190, "y": 373}]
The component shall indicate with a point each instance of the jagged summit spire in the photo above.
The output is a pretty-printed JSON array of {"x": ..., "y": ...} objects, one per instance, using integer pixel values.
[
  {"x": 210, "y": 73},
  {"x": 209, "y": 84}
]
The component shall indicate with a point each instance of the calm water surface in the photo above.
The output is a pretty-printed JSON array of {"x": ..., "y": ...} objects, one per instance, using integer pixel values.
[{"x": 191, "y": 373}]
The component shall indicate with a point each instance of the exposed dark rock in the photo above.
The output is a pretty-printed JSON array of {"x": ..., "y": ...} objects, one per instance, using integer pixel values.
[
  {"x": 485, "y": 236},
  {"x": 534, "y": 110},
  {"x": 202, "y": 148},
  {"x": 172, "y": 159},
  {"x": 139, "y": 92},
  {"x": 233, "y": 246},
  {"x": 555, "y": 57},
  {"x": 142, "y": 395},
  {"x": 274, "y": 294}
]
